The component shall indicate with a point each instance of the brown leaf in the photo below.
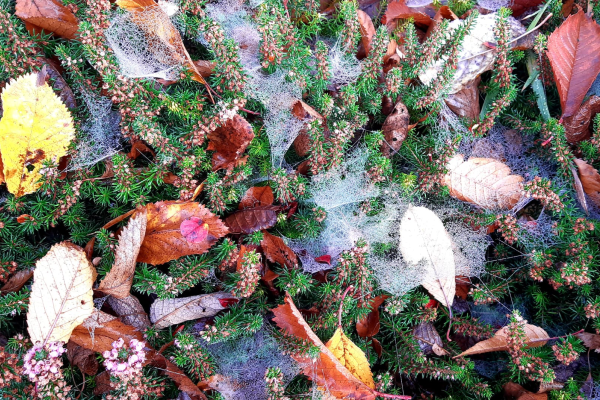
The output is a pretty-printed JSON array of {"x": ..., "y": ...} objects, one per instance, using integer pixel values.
[
  {"x": 590, "y": 340},
  {"x": 303, "y": 111},
  {"x": 518, "y": 7},
  {"x": 17, "y": 281},
  {"x": 83, "y": 358},
  {"x": 590, "y": 180},
  {"x": 535, "y": 337},
  {"x": 395, "y": 129},
  {"x": 463, "y": 285},
  {"x": 574, "y": 53},
  {"x": 277, "y": 251},
  {"x": 483, "y": 181},
  {"x": 60, "y": 85},
  {"x": 514, "y": 391},
  {"x": 169, "y": 312},
  {"x": 256, "y": 197},
  {"x": 367, "y": 32},
  {"x": 205, "y": 68},
  {"x": 103, "y": 384},
  {"x": 577, "y": 127},
  {"x": 183, "y": 383},
  {"x": 428, "y": 338},
  {"x": 130, "y": 311},
  {"x": 465, "y": 102},
  {"x": 49, "y": 15},
  {"x": 443, "y": 13},
  {"x": 326, "y": 371},
  {"x": 229, "y": 142},
  {"x": 399, "y": 10},
  {"x": 376, "y": 346},
  {"x": 252, "y": 219},
  {"x": 164, "y": 242},
  {"x": 579, "y": 190},
  {"x": 369, "y": 325},
  {"x": 138, "y": 147},
  {"x": 118, "y": 281}
]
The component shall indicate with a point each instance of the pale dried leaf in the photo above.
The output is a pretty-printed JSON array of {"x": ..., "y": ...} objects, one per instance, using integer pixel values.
[
  {"x": 590, "y": 340},
  {"x": 395, "y": 129},
  {"x": 423, "y": 239},
  {"x": 168, "y": 312},
  {"x": 535, "y": 337},
  {"x": 118, "y": 281},
  {"x": 61, "y": 294}
]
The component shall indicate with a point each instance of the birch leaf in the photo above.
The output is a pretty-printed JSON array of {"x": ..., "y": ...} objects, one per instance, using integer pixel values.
[
  {"x": 35, "y": 126},
  {"x": 61, "y": 294},
  {"x": 535, "y": 337},
  {"x": 351, "y": 357},
  {"x": 423, "y": 239},
  {"x": 118, "y": 281},
  {"x": 169, "y": 312}
]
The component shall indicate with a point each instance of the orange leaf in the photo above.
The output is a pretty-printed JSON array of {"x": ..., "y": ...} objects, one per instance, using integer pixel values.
[
  {"x": 229, "y": 142},
  {"x": 277, "y": 251},
  {"x": 367, "y": 31},
  {"x": 574, "y": 53},
  {"x": 256, "y": 197},
  {"x": 164, "y": 242},
  {"x": 399, "y": 10},
  {"x": 535, "y": 337},
  {"x": 49, "y": 15}
]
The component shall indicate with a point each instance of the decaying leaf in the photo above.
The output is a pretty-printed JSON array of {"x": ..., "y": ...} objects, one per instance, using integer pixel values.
[
  {"x": 36, "y": 126},
  {"x": 130, "y": 311},
  {"x": 367, "y": 32},
  {"x": 58, "y": 83},
  {"x": 118, "y": 281},
  {"x": 49, "y": 15},
  {"x": 535, "y": 337},
  {"x": 465, "y": 102},
  {"x": 423, "y": 239},
  {"x": 398, "y": 9},
  {"x": 257, "y": 197},
  {"x": 252, "y": 219},
  {"x": 577, "y": 126},
  {"x": 574, "y": 53},
  {"x": 429, "y": 339},
  {"x": 369, "y": 325},
  {"x": 579, "y": 190},
  {"x": 590, "y": 180},
  {"x": 17, "y": 281},
  {"x": 169, "y": 312},
  {"x": 277, "y": 251},
  {"x": 518, "y": 7},
  {"x": 229, "y": 142},
  {"x": 304, "y": 112},
  {"x": 351, "y": 357},
  {"x": 514, "y": 391},
  {"x": 395, "y": 129},
  {"x": 590, "y": 340},
  {"x": 164, "y": 242},
  {"x": 61, "y": 294},
  {"x": 83, "y": 358},
  {"x": 326, "y": 371},
  {"x": 485, "y": 182}
]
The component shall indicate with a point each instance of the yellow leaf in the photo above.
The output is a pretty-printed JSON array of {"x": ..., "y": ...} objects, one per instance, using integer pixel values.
[
  {"x": 36, "y": 126},
  {"x": 351, "y": 357}
]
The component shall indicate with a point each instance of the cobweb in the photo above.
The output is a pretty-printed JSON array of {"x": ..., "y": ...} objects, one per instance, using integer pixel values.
[
  {"x": 344, "y": 68},
  {"x": 100, "y": 133},
  {"x": 494, "y": 5},
  {"x": 243, "y": 363}
]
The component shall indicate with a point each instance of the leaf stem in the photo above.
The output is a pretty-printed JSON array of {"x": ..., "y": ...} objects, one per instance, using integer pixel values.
[{"x": 342, "y": 305}]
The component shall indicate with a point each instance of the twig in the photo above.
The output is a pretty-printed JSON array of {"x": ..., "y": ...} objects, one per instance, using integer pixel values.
[{"x": 342, "y": 305}]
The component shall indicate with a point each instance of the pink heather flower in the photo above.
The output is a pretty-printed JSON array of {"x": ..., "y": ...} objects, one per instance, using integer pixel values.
[
  {"x": 125, "y": 361},
  {"x": 41, "y": 361}
]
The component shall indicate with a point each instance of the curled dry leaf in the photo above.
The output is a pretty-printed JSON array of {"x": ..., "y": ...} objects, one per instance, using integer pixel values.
[
  {"x": 465, "y": 102},
  {"x": 83, "y": 358},
  {"x": 395, "y": 129},
  {"x": 49, "y": 15},
  {"x": 130, "y": 311},
  {"x": 423, "y": 239},
  {"x": 514, "y": 391},
  {"x": 58, "y": 83},
  {"x": 118, "y": 281},
  {"x": 277, "y": 251},
  {"x": 574, "y": 53},
  {"x": 590, "y": 180},
  {"x": 17, "y": 281},
  {"x": 164, "y": 242},
  {"x": 367, "y": 32},
  {"x": 485, "y": 182},
  {"x": 229, "y": 142},
  {"x": 590, "y": 340},
  {"x": 303, "y": 111},
  {"x": 257, "y": 197},
  {"x": 579, "y": 190},
  {"x": 252, "y": 219},
  {"x": 577, "y": 126},
  {"x": 398, "y": 9},
  {"x": 351, "y": 357},
  {"x": 61, "y": 294},
  {"x": 169, "y": 312},
  {"x": 369, "y": 325},
  {"x": 429, "y": 339},
  {"x": 535, "y": 337},
  {"x": 326, "y": 371},
  {"x": 35, "y": 126}
]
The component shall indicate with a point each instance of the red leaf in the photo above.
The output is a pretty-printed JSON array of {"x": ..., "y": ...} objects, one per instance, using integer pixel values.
[
  {"x": 399, "y": 10},
  {"x": 23, "y": 218},
  {"x": 326, "y": 259},
  {"x": 229, "y": 142},
  {"x": 257, "y": 196},
  {"x": 194, "y": 230},
  {"x": 228, "y": 302},
  {"x": 574, "y": 53},
  {"x": 369, "y": 326},
  {"x": 433, "y": 303}
]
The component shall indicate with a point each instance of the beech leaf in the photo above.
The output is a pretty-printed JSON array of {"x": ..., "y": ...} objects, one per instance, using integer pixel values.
[
  {"x": 535, "y": 337},
  {"x": 49, "y": 15},
  {"x": 423, "y": 239},
  {"x": 257, "y": 197},
  {"x": 485, "y": 182},
  {"x": 351, "y": 357},
  {"x": 367, "y": 32},
  {"x": 118, "y": 281},
  {"x": 229, "y": 142},
  {"x": 61, "y": 294},
  {"x": 17, "y": 281},
  {"x": 590, "y": 180},
  {"x": 277, "y": 251},
  {"x": 574, "y": 53},
  {"x": 577, "y": 126},
  {"x": 169, "y": 312},
  {"x": 395, "y": 129},
  {"x": 252, "y": 219}
]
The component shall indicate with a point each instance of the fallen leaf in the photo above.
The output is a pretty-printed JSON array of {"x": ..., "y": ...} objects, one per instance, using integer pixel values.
[
  {"x": 252, "y": 219},
  {"x": 429, "y": 339},
  {"x": 103, "y": 384},
  {"x": 83, "y": 358},
  {"x": 325, "y": 259},
  {"x": 277, "y": 251},
  {"x": 577, "y": 126},
  {"x": 256, "y": 197},
  {"x": 138, "y": 147},
  {"x": 194, "y": 230},
  {"x": 395, "y": 129},
  {"x": 444, "y": 12},
  {"x": 36, "y": 126},
  {"x": 514, "y": 391},
  {"x": 130, "y": 311},
  {"x": 397, "y": 9},
  {"x": 17, "y": 281},
  {"x": 376, "y": 346},
  {"x": 518, "y": 7},
  {"x": 367, "y": 32},
  {"x": 164, "y": 242},
  {"x": 535, "y": 337},
  {"x": 369, "y": 325},
  {"x": 590, "y": 340},
  {"x": 183, "y": 383},
  {"x": 567, "y": 7},
  {"x": 588, "y": 386},
  {"x": 303, "y": 111},
  {"x": 463, "y": 285},
  {"x": 118, "y": 281},
  {"x": 485, "y": 182},
  {"x": 574, "y": 53},
  {"x": 205, "y": 68},
  {"x": 579, "y": 190},
  {"x": 326, "y": 370},
  {"x": 229, "y": 142},
  {"x": 61, "y": 294},
  {"x": 49, "y": 15},
  {"x": 465, "y": 102},
  {"x": 351, "y": 357},
  {"x": 590, "y": 180},
  {"x": 169, "y": 312},
  {"x": 59, "y": 84},
  {"x": 423, "y": 239}
]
